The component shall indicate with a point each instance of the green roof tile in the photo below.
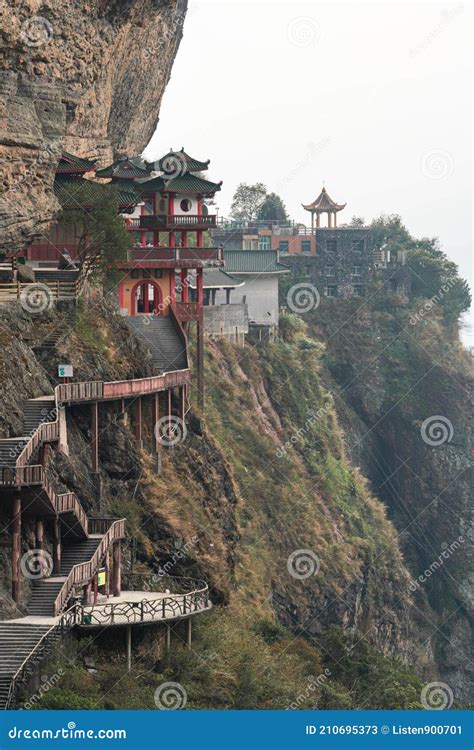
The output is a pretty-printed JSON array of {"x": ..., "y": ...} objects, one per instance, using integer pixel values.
[
  {"x": 184, "y": 184},
  {"x": 71, "y": 164},
  {"x": 253, "y": 261}
]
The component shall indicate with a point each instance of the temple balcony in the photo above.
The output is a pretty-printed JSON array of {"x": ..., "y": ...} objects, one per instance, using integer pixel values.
[{"x": 167, "y": 222}]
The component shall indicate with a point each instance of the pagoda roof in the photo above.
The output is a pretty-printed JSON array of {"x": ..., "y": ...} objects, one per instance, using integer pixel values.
[
  {"x": 183, "y": 184},
  {"x": 324, "y": 203},
  {"x": 82, "y": 193},
  {"x": 179, "y": 162},
  {"x": 71, "y": 164},
  {"x": 122, "y": 169}
]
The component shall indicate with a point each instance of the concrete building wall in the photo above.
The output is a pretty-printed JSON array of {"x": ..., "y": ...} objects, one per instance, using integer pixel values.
[
  {"x": 260, "y": 293},
  {"x": 227, "y": 321}
]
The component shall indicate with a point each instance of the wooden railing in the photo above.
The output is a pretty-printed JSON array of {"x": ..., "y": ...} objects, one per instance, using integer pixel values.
[
  {"x": 58, "y": 290},
  {"x": 186, "y": 311},
  {"x": 47, "y": 432},
  {"x": 83, "y": 572},
  {"x": 66, "y": 502}
]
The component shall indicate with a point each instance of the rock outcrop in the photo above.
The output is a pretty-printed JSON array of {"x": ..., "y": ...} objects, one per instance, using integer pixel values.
[{"x": 85, "y": 76}]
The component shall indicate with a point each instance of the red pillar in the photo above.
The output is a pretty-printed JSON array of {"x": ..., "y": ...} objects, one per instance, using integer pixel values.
[
  {"x": 16, "y": 547},
  {"x": 199, "y": 237},
  {"x": 172, "y": 286},
  {"x": 117, "y": 569},
  {"x": 199, "y": 286},
  {"x": 171, "y": 213},
  {"x": 95, "y": 436},
  {"x": 56, "y": 546},
  {"x": 184, "y": 285}
]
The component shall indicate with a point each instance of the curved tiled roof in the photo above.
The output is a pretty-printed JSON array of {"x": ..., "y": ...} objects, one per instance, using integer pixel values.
[
  {"x": 185, "y": 183},
  {"x": 324, "y": 203},
  {"x": 70, "y": 164},
  {"x": 179, "y": 161},
  {"x": 81, "y": 193},
  {"x": 123, "y": 169}
]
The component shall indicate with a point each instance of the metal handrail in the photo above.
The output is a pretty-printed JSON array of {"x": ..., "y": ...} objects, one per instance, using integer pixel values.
[{"x": 165, "y": 607}]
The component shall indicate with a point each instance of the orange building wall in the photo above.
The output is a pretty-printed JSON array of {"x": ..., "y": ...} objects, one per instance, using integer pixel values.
[{"x": 127, "y": 284}]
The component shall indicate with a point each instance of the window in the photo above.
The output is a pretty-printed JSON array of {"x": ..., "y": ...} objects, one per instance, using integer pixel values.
[
  {"x": 331, "y": 291},
  {"x": 331, "y": 246},
  {"x": 358, "y": 246},
  {"x": 283, "y": 246},
  {"x": 264, "y": 243},
  {"x": 157, "y": 273},
  {"x": 247, "y": 245},
  {"x": 358, "y": 290},
  {"x": 135, "y": 273},
  {"x": 305, "y": 246},
  {"x": 254, "y": 244},
  {"x": 330, "y": 271},
  {"x": 185, "y": 205},
  {"x": 356, "y": 270}
]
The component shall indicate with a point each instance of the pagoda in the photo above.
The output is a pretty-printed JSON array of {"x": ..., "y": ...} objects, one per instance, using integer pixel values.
[
  {"x": 324, "y": 204},
  {"x": 169, "y": 225}
]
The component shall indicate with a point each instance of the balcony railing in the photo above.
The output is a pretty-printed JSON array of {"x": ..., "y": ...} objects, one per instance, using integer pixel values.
[
  {"x": 177, "y": 253},
  {"x": 180, "y": 221}
]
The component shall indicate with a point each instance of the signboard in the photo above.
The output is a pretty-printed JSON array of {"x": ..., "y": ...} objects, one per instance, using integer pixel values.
[
  {"x": 101, "y": 578},
  {"x": 65, "y": 371}
]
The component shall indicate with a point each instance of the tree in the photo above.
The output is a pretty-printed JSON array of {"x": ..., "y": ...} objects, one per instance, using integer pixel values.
[
  {"x": 272, "y": 209},
  {"x": 247, "y": 200},
  {"x": 357, "y": 221},
  {"x": 433, "y": 274},
  {"x": 97, "y": 224}
]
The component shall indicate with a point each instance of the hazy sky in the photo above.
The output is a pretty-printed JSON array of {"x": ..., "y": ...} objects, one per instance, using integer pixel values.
[{"x": 372, "y": 98}]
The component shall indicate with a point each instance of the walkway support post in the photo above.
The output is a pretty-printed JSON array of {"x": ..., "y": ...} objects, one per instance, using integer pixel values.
[
  {"x": 95, "y": 436},
  {"x": 56, "y": 546},
  {"x": 200, "y": 359},
  {"x": 128, "y": 634},
  {"x": 182, "y": 403},
  {"x": 156, "y": 417},
  {"x": 16, "y": 547},
  {"x": 189, "y": 632},
  {"x": 170, "y": 411},
  {"x": 168, "y": 639},
  {"x": 138, "y": 422},
  {"x": 117, "y": 569}
]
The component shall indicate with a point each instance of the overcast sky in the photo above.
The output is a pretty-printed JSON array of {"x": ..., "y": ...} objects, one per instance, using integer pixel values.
[{"x": 374, "y": 99}]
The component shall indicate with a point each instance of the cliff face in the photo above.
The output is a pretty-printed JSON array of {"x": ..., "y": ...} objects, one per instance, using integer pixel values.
[
  {"x": 85, "y": 76},
  {"x": 404, "y": 397}
]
